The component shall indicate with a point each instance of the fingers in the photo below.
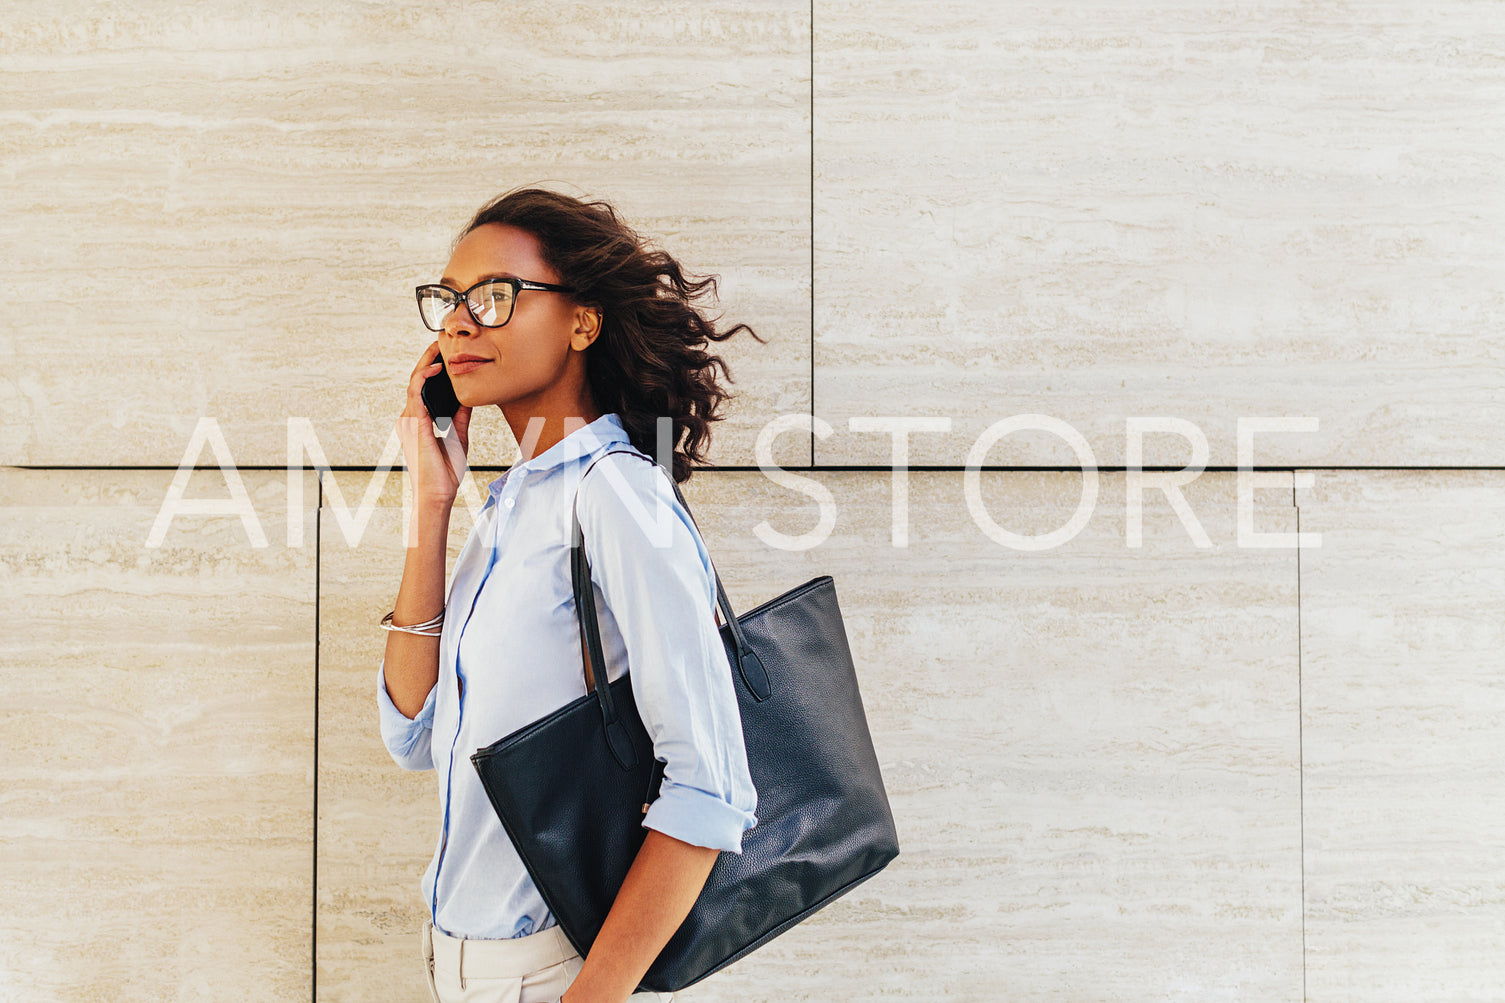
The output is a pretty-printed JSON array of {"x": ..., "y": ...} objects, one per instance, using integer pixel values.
[
  {"x": 435, "y": 465},
  {"x": 455, "y": 454},
  {"x": 429, "y": 364},
  {"x": 462, "y": 426},
  {"x": 428, "y": 359}
]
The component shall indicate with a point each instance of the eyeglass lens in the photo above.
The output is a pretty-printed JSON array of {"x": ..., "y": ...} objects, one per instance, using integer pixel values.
[{"x": 490, "y": 304}]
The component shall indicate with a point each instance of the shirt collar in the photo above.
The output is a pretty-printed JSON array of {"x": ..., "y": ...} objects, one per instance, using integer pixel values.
[{"x": 584, "y": 441}]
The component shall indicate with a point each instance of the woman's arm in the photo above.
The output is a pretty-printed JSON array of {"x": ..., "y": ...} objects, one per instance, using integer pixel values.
[
  {"x": 656, "y": 578},
  {"x": 665, "y": 879},
  {"x": 412, "y": 660},
  {"x": 435, "y": 468}
]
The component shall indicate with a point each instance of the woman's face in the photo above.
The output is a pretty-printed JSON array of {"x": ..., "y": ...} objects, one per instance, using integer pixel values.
[{"x": 536, "y": 360}]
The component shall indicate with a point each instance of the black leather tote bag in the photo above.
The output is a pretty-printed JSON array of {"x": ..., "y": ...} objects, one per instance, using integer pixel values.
[{"x": 571, "y": 788}]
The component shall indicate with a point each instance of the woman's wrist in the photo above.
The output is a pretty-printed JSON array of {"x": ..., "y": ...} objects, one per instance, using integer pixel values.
[{"x": 432, "y": 507}]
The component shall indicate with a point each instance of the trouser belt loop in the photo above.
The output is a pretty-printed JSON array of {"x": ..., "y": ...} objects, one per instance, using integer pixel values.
[{"x": 462, "y": 965}]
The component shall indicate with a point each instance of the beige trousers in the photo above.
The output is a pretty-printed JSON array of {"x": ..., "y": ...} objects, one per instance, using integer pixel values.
[{"x": 537, "y": 968}]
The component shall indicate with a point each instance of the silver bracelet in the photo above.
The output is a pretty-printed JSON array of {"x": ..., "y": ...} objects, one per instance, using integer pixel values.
[{"x": 428, "y": 628}]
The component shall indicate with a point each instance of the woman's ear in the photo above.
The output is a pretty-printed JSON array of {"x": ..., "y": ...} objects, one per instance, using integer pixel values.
[{"x": 587, "y": 328}]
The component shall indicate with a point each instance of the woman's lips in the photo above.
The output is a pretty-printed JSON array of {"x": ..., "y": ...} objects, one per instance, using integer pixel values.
[{"x": 460, "y": 368}]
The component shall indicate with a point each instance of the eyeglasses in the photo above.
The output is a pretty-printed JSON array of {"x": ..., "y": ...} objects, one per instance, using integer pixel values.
[{"x": 490, "y": 301}]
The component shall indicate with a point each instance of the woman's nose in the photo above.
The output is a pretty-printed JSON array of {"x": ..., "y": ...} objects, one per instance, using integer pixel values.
[{"x": 461, "y": 319}]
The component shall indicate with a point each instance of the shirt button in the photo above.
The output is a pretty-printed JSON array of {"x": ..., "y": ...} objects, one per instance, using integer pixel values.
[{"x": 509, "y": 502}]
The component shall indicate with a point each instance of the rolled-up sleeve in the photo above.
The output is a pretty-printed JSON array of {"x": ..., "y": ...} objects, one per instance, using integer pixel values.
[
  {"x": 654, "y": 572},
  {"x": 409, "y": 740}
]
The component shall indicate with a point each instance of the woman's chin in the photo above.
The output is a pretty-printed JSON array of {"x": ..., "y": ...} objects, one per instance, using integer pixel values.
[{"x": 471, "y": 398}]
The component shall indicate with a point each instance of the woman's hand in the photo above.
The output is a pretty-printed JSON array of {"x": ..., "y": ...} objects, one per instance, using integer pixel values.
[
  {"x": 661, "y": 886},
  {"x": 435, "y": 465}
]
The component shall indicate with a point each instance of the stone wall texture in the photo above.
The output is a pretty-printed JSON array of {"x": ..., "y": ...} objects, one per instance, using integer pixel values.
[{"x": 1173, "y": 702}]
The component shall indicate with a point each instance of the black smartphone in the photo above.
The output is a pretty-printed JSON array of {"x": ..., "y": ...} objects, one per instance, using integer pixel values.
[{"x": 439, "y": 394}]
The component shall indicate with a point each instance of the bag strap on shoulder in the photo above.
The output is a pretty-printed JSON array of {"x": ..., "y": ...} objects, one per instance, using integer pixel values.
[{"x": 749, "y": 666}]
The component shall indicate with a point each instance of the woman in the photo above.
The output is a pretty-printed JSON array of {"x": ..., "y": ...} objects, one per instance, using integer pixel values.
[{"x": 555, "y": 311}]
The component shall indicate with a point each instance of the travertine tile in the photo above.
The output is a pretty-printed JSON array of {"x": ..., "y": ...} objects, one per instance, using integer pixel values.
[
  {"x": 158, "y": 722},
  {"x": 377, "y": 822},
  {"x": 1402, "y": 702},
  {"x": 229, "y": 206},
  {"x": 1107, "y": 209},
  {"x": 1091, "y": 751}
]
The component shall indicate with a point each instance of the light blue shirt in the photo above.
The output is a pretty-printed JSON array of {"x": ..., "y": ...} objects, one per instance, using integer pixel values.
[{"x": 509, "y": 653}]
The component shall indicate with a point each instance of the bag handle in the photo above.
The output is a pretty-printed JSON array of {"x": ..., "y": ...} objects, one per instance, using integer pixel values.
[{"x": 749, "y": 665}]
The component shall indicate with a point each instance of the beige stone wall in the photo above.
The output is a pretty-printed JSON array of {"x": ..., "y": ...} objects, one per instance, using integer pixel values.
[{"x": 1121, "y": 770}]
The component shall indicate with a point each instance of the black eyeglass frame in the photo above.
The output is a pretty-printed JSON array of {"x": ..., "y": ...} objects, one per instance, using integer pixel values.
[{"x": 518, "y": 285}]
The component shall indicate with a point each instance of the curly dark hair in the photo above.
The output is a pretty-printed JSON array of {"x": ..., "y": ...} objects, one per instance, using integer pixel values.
[{"x": 649, "y": 359}]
